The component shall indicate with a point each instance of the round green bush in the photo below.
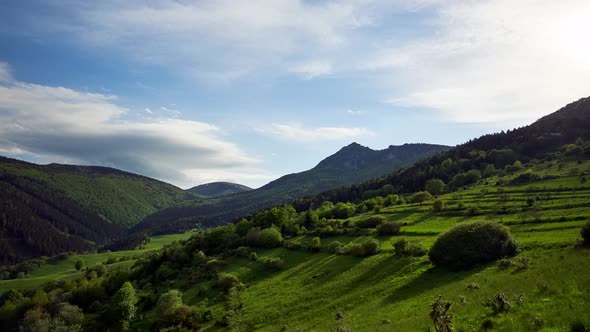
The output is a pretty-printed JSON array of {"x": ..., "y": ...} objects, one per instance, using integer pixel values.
[{"x": 471, "y": 244}]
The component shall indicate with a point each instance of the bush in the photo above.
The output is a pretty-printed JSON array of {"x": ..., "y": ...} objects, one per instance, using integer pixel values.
[
  {"x": 499, "y": 303},
  {"x": 335, "y": 247},
  {"x": 438, "y": 205},
  {"x": 364, "y": 249},
  {"x": 370, "y": 222},
  {"x": 389, "y": 228},
  {"x": 464, "y": 179},
  {"x": 269, "y": 238},
  {"x": 525, "y": 177},
  {"x": 315, "y": 245},
  {"x": 226, "y": 281},
  {"x": 273, "y": 263},
  {"x": 473, "y": 243},
  {"x": 420, "y": 197},
  {"x": 405, "y": 248}
]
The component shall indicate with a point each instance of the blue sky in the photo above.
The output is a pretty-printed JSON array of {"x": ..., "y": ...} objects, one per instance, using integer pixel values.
[{"x": 198, "y": 91}]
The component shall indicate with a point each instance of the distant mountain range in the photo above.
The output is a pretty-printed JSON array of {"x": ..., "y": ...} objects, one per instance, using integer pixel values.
[
  {"x": 216, "y": 189},
  {"x": 352, "y": 164}
]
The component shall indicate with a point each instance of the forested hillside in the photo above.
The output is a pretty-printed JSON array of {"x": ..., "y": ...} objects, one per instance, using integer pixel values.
[
  {"x": 215, "y": 189},
  {"x": 565, "y": 131},
  {"x": 352, "y": 164},
  {"x": 50, "y": 209}
]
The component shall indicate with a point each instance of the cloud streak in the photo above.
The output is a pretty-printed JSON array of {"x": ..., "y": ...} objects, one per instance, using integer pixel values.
[
  {"x": 57, "y": 123},
  {"x": 299, "y": 133}
]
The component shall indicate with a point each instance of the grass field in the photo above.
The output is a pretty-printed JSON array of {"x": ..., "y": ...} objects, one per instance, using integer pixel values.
[
  {"x": 64, "y": 269},
  {"x": 386, "y": 292}
]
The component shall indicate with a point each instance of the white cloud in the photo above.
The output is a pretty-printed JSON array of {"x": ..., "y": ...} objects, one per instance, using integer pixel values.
[
  {"x": 299, "y": 133},
  {"x": 501, "y": 62},
  {"x": 5, "y": 75},
  {"x": 353, "y": 112},
  {"x": 220, "y": 40},
  {"x": 310, "y": 70},
  {"x": 61, "y": 124}
]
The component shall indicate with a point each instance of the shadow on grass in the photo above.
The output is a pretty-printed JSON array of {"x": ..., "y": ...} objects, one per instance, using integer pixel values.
[{"x": 431, "y": 278}]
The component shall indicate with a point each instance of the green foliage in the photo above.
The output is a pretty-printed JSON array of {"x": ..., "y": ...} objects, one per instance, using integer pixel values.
[
  {"x": 315, "y": 245},
  {"x": 499, "y": 303},
  {"x": 389, "y": 228},
  {"x": 275, "y": 263},
  {"x": 125, "y": 301},
  {"x": 439, "y": 313},
  {"x": 464, "y": 179},
  {"x": 438, "y": 205},
  {"x": 367, "y": 248},
  {"x": 525, "y": 177},
  {"x": 435, "y": 186},
  {"x": 472, "y": 243},
  {"x": 420, "y": 197},
  {"x": 335, "y": 247},
  {"x": 370, "y": 222},
  {"x": 404, "y": 248},
  {"x": 79, "y": 265},
  {"x": 168, "y": 303},
  {"x": 225, "y": 281},
  {"x": 269, "y": 238}
]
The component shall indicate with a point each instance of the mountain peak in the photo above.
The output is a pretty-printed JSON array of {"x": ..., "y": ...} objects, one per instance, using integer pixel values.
[{"x": 216, "y": 189}]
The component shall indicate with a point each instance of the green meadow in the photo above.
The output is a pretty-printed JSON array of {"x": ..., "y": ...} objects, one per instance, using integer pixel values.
[{"x": 386, "y": 292}]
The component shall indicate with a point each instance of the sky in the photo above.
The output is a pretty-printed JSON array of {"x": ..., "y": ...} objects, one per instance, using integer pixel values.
[{"x": 191, "y": 92}]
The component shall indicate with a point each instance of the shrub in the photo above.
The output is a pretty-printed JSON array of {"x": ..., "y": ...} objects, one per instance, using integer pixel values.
[
  {"x": 405, "y": 248},
  {"x": 472, "y": 285},
  {"x": 335, "y": 247},
  {"x": 253, "y": 256},
  {"x": 79, "y": 265},
  {"x": 472, "y": 243},
  {"x": 464, "y": 179},
  {"x": 435, "y": 186},
  {"x": 504, "y": 263},
  {"x": 438, "y": 205},
  {"x": 225, "y": 281},
  {"x": 243, "y": 251},
  {"x": 315, "y": 245},
  {"x": 364, "y": 249},
  {"x": 526, "y": 177},
  {"x": 273, "y": 263},
  {"x": 439, "y": 313},
  {"x": 420, "y": 197},
  {"x": 370, "y": 222},
  {"x": 499, "y": 303},
  {"x": 389, "y": 228},
  {"x": 269, "y": 238}
]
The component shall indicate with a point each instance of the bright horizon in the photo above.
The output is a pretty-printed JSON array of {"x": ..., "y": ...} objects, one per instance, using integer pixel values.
[{"x": 246, "y": 92}]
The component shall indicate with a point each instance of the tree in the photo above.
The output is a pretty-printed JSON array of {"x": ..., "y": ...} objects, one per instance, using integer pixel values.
[
  {"x": 315, "y": 245},
  {"x": 438, "y": 205},
  {"x": 311, "y": 218},
  {"x": 435, "y": 186},
  {"x": 125, "y": 301},
  {"x": 168, "y": 303},
  {"x": 79, "y": 265},
  {"x": 269, "y": 238},
  {"x": 420, "y": 197}
]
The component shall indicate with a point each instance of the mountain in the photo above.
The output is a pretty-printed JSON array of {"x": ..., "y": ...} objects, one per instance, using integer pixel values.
[
  {"x": 565, "y": 132},
  {"x": 216, "y": 189},
  {"x": 48, "y": 209},
  {"x": 353, "y": 163}
]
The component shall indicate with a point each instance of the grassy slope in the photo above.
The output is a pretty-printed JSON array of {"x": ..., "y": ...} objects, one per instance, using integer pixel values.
[
  {"x": 386, "y": 292},
  {"x": 117, "y": 197},
  {"x": 64, "y": 269}
]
